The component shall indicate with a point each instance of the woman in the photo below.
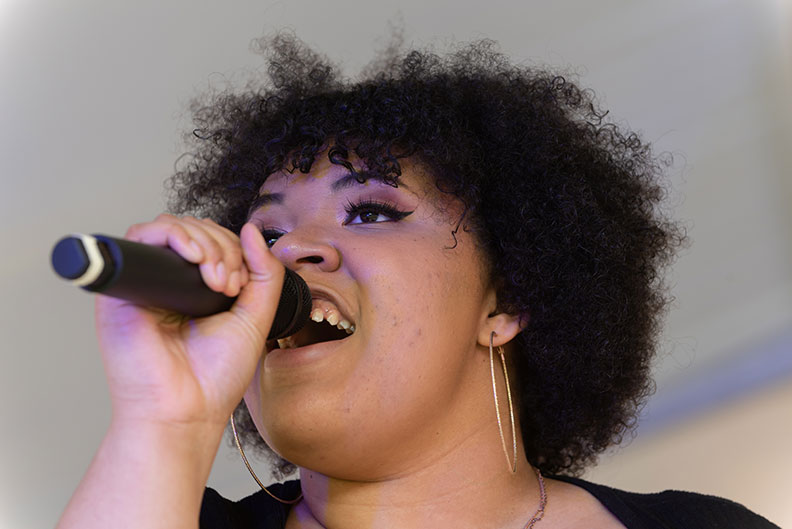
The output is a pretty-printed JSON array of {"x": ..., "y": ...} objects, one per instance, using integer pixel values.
[{"x": 484, "y": 257}]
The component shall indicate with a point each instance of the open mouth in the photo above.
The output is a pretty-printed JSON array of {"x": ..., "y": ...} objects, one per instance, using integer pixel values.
[{"x": 327, "y": 324}]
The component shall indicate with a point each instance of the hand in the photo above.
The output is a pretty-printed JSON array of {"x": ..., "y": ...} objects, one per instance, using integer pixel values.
[{"x": 165, "y": 368}]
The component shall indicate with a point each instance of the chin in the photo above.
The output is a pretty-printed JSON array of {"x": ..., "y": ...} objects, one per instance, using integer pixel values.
[{"x": 323, "y": 446}]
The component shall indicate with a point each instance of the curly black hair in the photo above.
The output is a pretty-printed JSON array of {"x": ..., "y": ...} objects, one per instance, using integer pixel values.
[{"x": 565, "y": 205}]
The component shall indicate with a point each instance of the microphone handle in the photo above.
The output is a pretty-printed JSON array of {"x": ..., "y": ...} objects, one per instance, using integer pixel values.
[{"x": 158, "y": 277}]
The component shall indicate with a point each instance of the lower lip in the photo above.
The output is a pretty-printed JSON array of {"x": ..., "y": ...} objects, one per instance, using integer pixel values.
[{"x": 301, "y": 356}]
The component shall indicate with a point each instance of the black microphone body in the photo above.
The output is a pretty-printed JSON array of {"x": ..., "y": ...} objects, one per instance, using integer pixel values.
[{"x": 158, "y": 277}]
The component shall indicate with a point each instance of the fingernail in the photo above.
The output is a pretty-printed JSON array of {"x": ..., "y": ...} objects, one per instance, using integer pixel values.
[
  {"x": 196, "y": 252},
  {"x": 220, "y": 273}
]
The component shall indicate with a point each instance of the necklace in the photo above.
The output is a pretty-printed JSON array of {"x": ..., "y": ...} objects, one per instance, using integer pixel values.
[{"x": 539, "y": 514}]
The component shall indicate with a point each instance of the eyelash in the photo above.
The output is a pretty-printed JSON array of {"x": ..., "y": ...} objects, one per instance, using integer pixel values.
[{"x": 353, "y": 210}]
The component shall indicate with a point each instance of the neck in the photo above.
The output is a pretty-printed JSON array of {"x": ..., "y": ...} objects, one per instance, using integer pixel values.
[{"x": 460, "y": 488}]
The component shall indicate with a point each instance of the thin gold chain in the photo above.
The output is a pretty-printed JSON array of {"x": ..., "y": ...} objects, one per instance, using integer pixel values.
[{"x": 539, "y": 514}]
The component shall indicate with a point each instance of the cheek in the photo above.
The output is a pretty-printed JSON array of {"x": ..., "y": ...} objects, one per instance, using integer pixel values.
[
  {"x": 421, "y": 329},
  {"x": 420, "y": 284}
]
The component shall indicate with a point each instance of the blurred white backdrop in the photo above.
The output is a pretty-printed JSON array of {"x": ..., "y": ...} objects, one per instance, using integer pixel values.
[{"x": 93, "y": 99}]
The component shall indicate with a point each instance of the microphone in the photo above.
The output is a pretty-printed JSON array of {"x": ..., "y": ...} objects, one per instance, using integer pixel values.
[{"x": 158, "y": 277}]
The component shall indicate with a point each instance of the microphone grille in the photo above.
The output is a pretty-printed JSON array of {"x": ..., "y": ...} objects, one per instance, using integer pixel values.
[{"x": 294, "y": 307}]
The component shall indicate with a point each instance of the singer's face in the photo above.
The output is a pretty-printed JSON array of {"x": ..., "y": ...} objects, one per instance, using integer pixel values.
[{"x": 386, "y": 259}]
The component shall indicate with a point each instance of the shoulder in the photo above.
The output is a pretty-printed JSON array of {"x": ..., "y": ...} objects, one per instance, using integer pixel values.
[
  {"x": 258, "y": 510},
  {"x": 672, "y": 509}
]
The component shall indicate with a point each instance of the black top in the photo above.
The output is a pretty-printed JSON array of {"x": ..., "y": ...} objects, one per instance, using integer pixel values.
[{"x": 671, "y": 509}]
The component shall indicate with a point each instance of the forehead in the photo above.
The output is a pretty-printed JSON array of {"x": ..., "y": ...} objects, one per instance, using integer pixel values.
[
  {"x": 322, "y": 173},
  {"x": 329, "y": 177}
]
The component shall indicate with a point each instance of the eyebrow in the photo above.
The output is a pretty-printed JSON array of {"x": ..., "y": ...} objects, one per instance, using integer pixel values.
[{"x": 346, "y": 181}]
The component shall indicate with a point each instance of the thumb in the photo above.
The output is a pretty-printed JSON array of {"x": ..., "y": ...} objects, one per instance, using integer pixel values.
[{"x": 258, "y": 300}]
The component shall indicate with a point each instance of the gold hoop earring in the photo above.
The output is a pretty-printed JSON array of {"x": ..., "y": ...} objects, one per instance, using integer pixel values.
[
  {"x": 513, "y": 463},
  {"x": 250, "y": 469}
]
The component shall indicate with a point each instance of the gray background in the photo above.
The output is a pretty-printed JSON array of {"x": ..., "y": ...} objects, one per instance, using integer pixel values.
[{"x": 93, "y": 99}]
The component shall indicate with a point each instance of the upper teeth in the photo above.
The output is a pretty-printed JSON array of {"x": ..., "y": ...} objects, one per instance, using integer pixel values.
[
  {"x": 332, "y": 318},
  {"x": 322, "y": 311}
]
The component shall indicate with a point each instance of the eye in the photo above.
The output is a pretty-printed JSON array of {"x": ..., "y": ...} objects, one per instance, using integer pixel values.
[
  {"x": 373, "y": 211},
  {"x": 271, "y": 236}
]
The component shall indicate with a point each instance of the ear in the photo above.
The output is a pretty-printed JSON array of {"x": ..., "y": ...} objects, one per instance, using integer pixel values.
[{"x": 505, "y": 326}]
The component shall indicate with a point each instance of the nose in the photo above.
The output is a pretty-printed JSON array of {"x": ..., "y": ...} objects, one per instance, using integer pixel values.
[{"x": 300, "y": 249}]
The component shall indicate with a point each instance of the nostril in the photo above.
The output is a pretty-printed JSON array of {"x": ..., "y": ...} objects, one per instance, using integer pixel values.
[{"x": 315, "y": 259}]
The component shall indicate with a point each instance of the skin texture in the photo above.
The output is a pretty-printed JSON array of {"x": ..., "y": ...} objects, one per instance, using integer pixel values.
[
  {"x": 394, "y": 426},
  {"x": 414, "y": 366}
]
